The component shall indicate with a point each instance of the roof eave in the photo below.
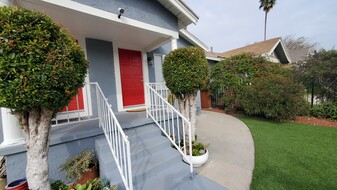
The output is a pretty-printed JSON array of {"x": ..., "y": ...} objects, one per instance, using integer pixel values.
[
  {"x": 180, "y": 9},
  {"x": 214, "y": 58},
  {"x": 192, "y": 39}
]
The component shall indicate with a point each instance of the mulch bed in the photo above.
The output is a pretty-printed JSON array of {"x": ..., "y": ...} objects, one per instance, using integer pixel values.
[
  {"x": 315, "y": 121},
  {"x": 299, "y": 119}
]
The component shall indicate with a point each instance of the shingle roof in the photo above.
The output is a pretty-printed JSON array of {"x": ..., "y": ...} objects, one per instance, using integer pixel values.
[
  {"x": 299, "y": 54},
  {"x": 257, "y": 48},
  {"x": 273, "y": 49},
  {"x": 264, "y": 48}
]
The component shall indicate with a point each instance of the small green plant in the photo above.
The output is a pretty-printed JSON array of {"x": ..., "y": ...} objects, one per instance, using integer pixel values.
[
  {"x": 325, "y": 110},
  {"x": 198, "y": 148},
  {"x": 76, "y": 165},
  {"x": 59, "y": 185},
  {"x": 87, "y": 186}
]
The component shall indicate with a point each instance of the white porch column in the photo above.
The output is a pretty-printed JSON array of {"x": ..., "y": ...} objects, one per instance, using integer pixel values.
[
  {"x": 174, "y": 44},
  {"x": 12, "y": 132}
]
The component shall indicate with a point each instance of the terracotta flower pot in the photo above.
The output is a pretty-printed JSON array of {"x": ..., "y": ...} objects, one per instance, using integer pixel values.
[
  {"x": 89, "y": 175},
  {"x": 20, "y": 184}
]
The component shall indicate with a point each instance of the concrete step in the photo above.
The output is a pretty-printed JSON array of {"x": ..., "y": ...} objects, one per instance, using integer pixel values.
[
  {"x": 149, "y": 146},
  {"x": 139, "y": 151},
  {"x": 168, "y": 179},
  {"x": 143, "y": 132},
  {"x": 149, "y": 166},
  {"x": 155, "y": 164}
]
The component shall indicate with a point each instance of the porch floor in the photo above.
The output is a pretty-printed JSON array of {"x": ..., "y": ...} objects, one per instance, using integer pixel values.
[{"x": 80, "y": 130}]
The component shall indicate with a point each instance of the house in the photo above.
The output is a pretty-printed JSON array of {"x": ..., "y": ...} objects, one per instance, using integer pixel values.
[
  {"x": 273, "y": 49},
  {"x": 125, "y": 42}
]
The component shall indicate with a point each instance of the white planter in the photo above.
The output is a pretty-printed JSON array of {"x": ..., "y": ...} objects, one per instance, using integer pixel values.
[{"x": 197, "y": 160}]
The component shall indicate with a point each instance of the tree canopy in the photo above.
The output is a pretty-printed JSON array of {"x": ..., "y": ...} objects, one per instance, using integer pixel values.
[
  {"x": 266, "y": 5},
  {"x": 185, "y": 70},
  {"x": 41, "y": 69},
  {"x": 40, "y": 64},
  {"x": 320, "y": 69}
]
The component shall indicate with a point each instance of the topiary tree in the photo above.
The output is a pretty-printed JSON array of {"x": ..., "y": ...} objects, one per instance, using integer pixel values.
[
  {"x": 185, "y": 70},
  {"x": 41, "y": 68}
]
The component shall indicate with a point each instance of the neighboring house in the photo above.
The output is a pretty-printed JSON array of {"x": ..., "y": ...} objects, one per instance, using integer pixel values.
[
  {"x": 125, "y": 52},
  {"x": 274, "y": 50},
  {"x": 299, "y": 54}
]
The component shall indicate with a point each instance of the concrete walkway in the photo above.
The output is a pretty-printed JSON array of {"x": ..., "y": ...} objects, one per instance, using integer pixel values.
[{"x": 231, "y": 149}]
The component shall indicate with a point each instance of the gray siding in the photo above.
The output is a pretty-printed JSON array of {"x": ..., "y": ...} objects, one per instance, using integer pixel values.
[
  {"x": 183, "y": 43},
  {"x": 101, "y": 68},
  {"x": 148, "y": 11},
  {"x": 153, "y": 67},
  {"x": 164, "y": 49},
  {"x": 16, "y": 163}
]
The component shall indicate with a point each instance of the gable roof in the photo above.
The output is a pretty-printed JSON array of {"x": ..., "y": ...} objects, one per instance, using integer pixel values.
[
  {"x": 180, "y": 9},
  {"x": 264, "y": 48}
]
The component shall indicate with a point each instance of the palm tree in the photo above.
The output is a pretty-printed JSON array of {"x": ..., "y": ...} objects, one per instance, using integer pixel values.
[{"x": 266, "y": 5}]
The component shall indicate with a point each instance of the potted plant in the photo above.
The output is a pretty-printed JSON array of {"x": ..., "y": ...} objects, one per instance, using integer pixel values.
[
  {"x": 82, "y": 167},
  {"x": 20, "y": 184},
  {"x": 199, "y": 154}
]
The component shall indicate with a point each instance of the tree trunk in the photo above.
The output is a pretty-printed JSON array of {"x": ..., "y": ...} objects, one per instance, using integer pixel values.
[
  {"x": 36, "y": 126},
  {"x": 187, "y": 108},
  {"x": 193, "y": 113},
  {"x": 265, "y": 25}
]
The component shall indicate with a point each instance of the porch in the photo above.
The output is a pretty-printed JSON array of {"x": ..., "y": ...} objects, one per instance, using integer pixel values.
[{"x": 150, "y": 162}]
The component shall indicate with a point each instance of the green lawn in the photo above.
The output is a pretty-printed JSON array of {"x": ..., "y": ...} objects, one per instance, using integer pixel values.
[{"x": 293, "y": 156}]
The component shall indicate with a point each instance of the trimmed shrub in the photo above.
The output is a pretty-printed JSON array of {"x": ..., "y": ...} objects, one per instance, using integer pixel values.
[
  {"x": 325, "y": 110},
  {"x": 185, "y": 71},
  {"x": 41, "y": 64},
  {"x": 274, "y": 97},
  {"x": 233, "y": 74}
]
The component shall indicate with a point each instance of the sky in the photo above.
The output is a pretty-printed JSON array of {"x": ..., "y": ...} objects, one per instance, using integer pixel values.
[{"x": 226, "y": 25}]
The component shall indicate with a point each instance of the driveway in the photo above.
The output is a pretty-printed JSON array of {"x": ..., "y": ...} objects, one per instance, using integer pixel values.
[{"x": 231, "y": 149}]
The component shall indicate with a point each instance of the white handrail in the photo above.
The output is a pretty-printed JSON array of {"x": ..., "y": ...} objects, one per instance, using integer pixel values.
[
  {"x": 117, "y": 140},
  {"x": 172, "y": 123}
]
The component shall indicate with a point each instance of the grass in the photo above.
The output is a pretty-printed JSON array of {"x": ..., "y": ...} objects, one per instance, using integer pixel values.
[{"x": 293, "y": 156}]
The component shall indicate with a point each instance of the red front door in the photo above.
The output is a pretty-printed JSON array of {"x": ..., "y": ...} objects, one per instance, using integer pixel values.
[{"x": 131, "y": 77}]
